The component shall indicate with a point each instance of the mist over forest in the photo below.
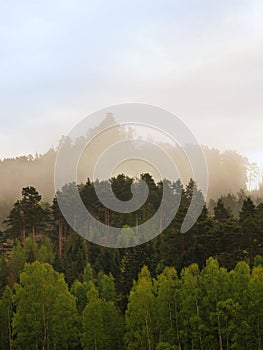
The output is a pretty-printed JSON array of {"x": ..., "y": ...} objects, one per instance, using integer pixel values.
[
  {"x": 228, "y": 171},
  {"x": 131, "y": 175}
]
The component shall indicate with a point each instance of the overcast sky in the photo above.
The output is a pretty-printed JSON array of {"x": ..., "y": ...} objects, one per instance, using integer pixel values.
[{"x": 61, "y": 60}]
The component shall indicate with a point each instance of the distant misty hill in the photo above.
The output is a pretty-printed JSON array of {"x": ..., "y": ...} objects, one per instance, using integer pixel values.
[{"x": 227, "y": 171}]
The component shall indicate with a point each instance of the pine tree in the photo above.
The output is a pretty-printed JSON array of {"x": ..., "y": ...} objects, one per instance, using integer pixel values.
[
  {"x": 247, "y": 218},
  {"x": 34, "y": 214},
  {"x": 16, "y": 223},
  {"x": 221, "y": 213}
]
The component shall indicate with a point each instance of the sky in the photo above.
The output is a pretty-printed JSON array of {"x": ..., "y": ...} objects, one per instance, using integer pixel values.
[{"x": 62, "y": 60}]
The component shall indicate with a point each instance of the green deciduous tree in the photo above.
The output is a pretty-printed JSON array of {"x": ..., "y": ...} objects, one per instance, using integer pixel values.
[
  {"x": 239, "y": 281},
  {"x": 139, "y": 316},
  {"x": 46, "y": 315},
  {"x": 255, "y": 308},
  {"x": 102, "y": 324},
  {"x": 167, "y": 307},
  {"x": 80, "y": 290},
  {"x": 190, "y": 297},
  {"x": 214, "y": 284}
]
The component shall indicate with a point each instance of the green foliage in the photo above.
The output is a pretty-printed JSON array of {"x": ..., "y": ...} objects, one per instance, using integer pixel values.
[
  {"x": 139, "y": 315},
  {"x": 46, "y": 314},
  {"x": 6, "y": 314},
  {"x": 81, "y": 290},
  {"x": 166, "y": 346},
  {"x": 15, "y": 264},
  {"x": 75, "y": 258},
  {"x": 166, "y": 313},
  {"x": 203, "y": 306},
  {"x": 127, "y": 237},
  {"x": 3, "y": 274},
  {"x": 106, "y": 287},
  {"x": 190, "y": 308},
  {"x": 102, "y": 324},
  {"x": 27, "y": 216},
  {"x": 45, "y": 253},
  {"x": 31, "y": 250},
  {"x": 221, "y": 213},
  {"x": 255, "y": 309},
  {"x": 88, "y": 273}
]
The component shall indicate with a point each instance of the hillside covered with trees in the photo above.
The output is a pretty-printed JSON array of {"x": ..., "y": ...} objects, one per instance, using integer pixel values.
[{"x": 197, "y": 290}]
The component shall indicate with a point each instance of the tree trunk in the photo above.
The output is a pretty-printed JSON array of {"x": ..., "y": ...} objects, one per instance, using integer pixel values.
[
  {"x": 60, "y": 233},
  {"x": 9, "y": 329},
  {"x": 33, "y": 232},
  {"x": 148, "y": 334},
  {"x": 137, "y": 224},
  {"x": 23, "y": 234},
  {"x": 161, "y": 220},
  {"x": 251, "y": 255},
  {"x": 177, "y": 330},
  {"x": 197, "y": 314},
  {"x": 219, "y": 333}
]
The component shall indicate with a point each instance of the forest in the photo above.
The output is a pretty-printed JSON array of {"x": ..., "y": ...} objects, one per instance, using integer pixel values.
[
  {"x": 228, "y": 171},
  {"x": 197, "y": 290},
  {"x": 131, "y": 175}
]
